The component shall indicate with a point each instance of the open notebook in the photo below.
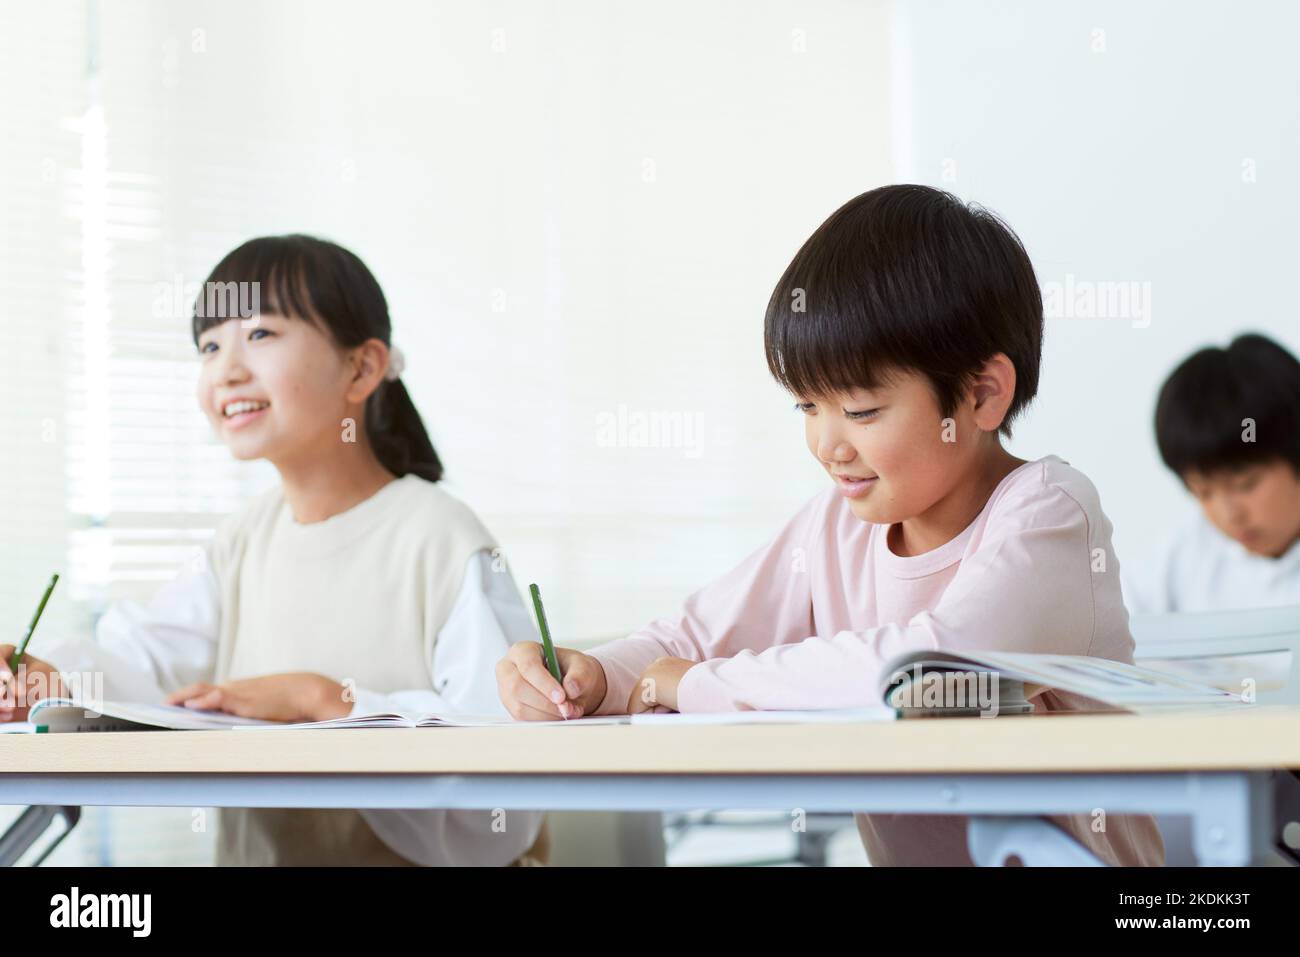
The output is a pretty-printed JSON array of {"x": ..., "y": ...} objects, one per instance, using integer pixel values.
[
  {"x": 881, "y": 713},
  {"x": 55, "y": 715},
  {"x": 407, "y": 719},
  {"x": 922, "y": 684},
  {"x": 63, "y": 715}
]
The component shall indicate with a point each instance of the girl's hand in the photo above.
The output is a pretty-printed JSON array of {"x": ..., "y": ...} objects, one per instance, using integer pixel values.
[
  {"x": 285, "y": 697},
  {"x": 35, "y": 680},
  {"x": 656, "y": 689},
  {"x": 530, "y": 693}
]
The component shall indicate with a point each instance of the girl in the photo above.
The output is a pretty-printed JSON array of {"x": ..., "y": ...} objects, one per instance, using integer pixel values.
[
  {"x": 908, "y": 328},
  {"x": 356, "y": 585}
]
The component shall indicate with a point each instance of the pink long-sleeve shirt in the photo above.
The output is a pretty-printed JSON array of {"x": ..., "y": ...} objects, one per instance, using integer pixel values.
[{"x": 812, "y": 619}]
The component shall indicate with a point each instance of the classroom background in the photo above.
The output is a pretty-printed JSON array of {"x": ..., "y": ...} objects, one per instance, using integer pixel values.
[{"x": 578, "y": 210}]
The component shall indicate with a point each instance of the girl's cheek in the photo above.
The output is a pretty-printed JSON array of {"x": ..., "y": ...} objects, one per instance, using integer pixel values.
[{"x": 203, "y": 396}]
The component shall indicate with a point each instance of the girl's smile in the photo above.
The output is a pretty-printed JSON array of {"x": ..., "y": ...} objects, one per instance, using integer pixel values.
[
  {"x": 241, "y": 412},
  {"x": 289, "y": 365}
]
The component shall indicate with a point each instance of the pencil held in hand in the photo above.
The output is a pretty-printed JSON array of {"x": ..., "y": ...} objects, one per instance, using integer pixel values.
[
  {"x": 548, "y": 649},
  {"x": 27, "y": 636}
]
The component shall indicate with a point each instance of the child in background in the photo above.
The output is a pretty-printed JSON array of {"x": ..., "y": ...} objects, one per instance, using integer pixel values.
[
  {"x": 908, "y": 329},
  {"x": 356, "y": 585},
  {"x": 1228, "y": 425}
]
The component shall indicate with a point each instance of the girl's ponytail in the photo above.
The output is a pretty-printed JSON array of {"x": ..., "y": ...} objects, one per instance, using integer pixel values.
[{"x": 397, "y": 433}]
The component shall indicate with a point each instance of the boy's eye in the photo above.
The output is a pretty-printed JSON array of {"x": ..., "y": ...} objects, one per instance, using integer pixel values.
[
  {"x": 256, "y": 331},
  {"x": 809, "y": 408},
  {"x": 203, "y": 347}
]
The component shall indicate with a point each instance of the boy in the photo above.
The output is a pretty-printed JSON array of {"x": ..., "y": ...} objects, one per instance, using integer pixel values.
[{"x": 1228, "y": 425}]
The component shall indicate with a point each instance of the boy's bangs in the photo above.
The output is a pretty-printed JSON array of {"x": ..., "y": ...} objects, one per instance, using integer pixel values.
[{"x": 826, "y": 348}]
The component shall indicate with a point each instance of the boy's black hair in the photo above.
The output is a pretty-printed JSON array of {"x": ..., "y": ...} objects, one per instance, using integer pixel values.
[
  {"x": 1203, "y": 404},
  {"x": 318, "y": 281},
  {"x": 906, "y": 278}
]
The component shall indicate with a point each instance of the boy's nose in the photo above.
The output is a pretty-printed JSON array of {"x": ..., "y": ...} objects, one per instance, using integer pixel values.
[
  {"x": 1233, "y": 515},
  {"x": 835, "y": 449}
]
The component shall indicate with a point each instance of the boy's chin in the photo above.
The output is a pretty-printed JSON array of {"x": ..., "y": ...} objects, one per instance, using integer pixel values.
[
  {"x": 873, "y": 514},
  {"x": 863, "y": 512},
  {"x": 1262, "y": 549}
]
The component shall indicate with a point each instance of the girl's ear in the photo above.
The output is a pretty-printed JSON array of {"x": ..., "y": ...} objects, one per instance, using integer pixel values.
[
  {"x": 992, "y": 389},
  {"x": 369, "y": 361}
]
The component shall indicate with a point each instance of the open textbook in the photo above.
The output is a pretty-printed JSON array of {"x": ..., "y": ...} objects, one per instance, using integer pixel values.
[
  {"x": 937, "y": 684},
  {"x": 926, "y": 684},
  {"x": 916, "y": 685},
  {"x": 53, "y": 715}
]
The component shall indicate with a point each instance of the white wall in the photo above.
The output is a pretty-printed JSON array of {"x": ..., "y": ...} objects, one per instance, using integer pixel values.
[
  {"x": 574, "y": 209},
  {"x": 577, "y": 209},
  {"x": 1118, "y": 155},
  {"x": 580, "y": 208}
]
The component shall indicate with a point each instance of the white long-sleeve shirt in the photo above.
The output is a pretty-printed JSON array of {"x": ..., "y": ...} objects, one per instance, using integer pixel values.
[
  {"x": 146, "y": 651},
  {"x": 1201, "y": 569}
]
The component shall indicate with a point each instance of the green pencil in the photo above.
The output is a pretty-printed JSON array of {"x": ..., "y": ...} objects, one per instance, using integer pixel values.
[
  {"x": 548, "y": 649},
  {"x": 22, "y": 646}
]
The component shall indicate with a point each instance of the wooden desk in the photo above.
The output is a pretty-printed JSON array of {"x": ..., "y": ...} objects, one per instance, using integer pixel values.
[{"x": 1217, "y": 768}]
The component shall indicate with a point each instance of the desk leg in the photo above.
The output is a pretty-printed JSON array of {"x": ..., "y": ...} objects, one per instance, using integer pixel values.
[
  {"x": 30, "y": 825},
  {"x": 1232, "y": 817},
  {"x": 1286, "y": 805}
]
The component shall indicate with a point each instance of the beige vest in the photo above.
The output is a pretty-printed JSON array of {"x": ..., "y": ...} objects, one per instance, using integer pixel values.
[{"x": 360, "y": 596}]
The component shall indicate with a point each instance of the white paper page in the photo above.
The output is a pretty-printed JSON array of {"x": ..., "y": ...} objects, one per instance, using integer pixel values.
[
  {"x": 830, "y": 716},
  {"x": 457, "y": 720},
  {"x": 1101, "y": 678},
  {"x": 174, "y": 715},
  {"x": 588, "y": 721},
  {"x": 158, "y": 715},
  {"x": 377, "y": 719}
]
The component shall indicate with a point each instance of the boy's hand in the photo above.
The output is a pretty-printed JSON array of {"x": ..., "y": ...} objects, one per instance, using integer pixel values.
[
  {"x": 530, "y": 693},
  {"x": 656, "y": 689},
  {"x": 298, "y": 696},
  {"x": 35, "y": 680}
]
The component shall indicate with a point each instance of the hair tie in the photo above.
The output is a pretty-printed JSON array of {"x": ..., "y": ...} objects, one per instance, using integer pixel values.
[{"x": 396, "y": 363}]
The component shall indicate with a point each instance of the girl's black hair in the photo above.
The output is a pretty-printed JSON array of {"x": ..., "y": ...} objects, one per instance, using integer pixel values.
[
  {"x": 1202, "y": 408},
  {"x": 906, "y": 278},
  {"x": 321, "y": 282}
]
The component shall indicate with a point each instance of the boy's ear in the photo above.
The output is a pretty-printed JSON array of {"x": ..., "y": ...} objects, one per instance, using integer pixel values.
[
  {"x": 369, "y": 362},
  {"x": 992, "y": 389}
]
